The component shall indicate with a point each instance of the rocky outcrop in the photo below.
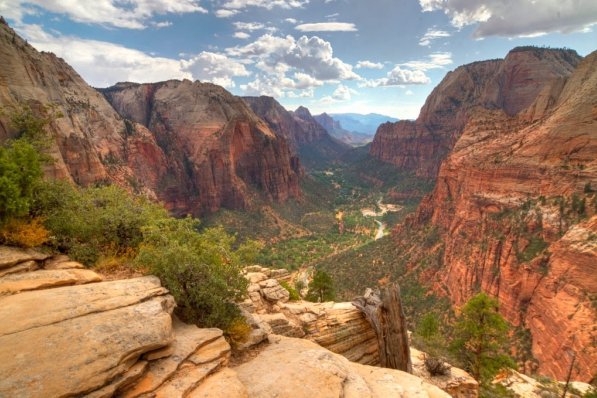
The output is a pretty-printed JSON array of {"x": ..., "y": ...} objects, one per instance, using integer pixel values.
[
  {"x": 515, "y": 205},
  {"x": 308, "y": 370},
  {"x": 193, "y": 146},
  {"x": 307, "y": 137},
  {"x": 118, "y": 339},
  {"x": 339, "y": 327},
  {"x": 527, "y": 76},
  {"x": 526, "y": 387},
  {"x": 217, "y": 148}
]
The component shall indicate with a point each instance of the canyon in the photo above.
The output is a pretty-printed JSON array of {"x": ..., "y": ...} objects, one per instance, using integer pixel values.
[
  {"x": 515, "y": 207},
  {"x": 193, "y": 146}
]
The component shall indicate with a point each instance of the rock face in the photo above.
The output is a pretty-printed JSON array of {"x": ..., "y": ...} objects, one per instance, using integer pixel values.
[
  {"x": 512, "y": 85},
  {"x": 515, "y": 203},
  {"x": 118, "y": 339},
  {"x": 193, "y": 146},
  {"x": 306, "y": 136},
  {"x": 217, "y": 148}
]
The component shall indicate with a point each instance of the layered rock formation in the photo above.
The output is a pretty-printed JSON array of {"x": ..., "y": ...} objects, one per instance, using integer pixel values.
[
  {"x": 82, "y": 337},
  {"x": 307, "y": 137},
  {"x": 516, "y": 208},
  {"x": 512, "y": 85},
  {"x": 339, "y": 327},
  {"x": 217, "y": 148},
  {"x": 193, "y": 146}
]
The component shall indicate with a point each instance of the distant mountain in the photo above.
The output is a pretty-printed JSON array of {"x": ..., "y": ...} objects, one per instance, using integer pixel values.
[
  {"x": 335, "y": 129},
  {"x": 363, "y": 124},
  {"x": 314, "y": 145}
]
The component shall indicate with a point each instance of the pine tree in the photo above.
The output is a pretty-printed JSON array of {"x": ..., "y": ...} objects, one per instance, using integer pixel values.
[
  {"x": 321, "y": 288},
  {"x": 480, "y": 338}
]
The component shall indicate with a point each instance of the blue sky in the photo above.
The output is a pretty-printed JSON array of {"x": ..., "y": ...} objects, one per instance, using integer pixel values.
[{"x": 362, "y": 56}]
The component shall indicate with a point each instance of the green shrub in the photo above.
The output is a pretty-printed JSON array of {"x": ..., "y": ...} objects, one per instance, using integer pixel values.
[
  {"x": 294, "y": 294},
  {"x": 201, "y": 270},
  {"x": 89, "y": 222},
  {"x": 20, "y": 171}
]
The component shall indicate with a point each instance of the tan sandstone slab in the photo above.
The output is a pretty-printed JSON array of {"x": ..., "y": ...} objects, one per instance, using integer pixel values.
[
  {"x": 210, "y": 352},
  {"x": 188, "y": 338},
  {"x": 26, "y": 266},
  {"x": 38, "y": 308},
  {"x": 223, "y": 384},
  {"x": 44, "y": 279},
  {"x": 308, "y": 371},
  {"x": 186, "y": 379},
  {"x": 10, "y": 256},
  {"x": 82, "y": 354}
]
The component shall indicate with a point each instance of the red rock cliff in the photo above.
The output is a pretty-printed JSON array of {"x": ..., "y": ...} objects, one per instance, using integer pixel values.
[
  {"x": 194, "y": 146},
  {"x": 512, "y": 85},
  {"x": 516, "y": 202}
]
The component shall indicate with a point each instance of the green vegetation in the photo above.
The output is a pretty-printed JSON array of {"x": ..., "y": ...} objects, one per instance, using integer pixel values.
[
  {"x": 201, "y": 270},
  {"x": 294, "y": 294},
  {"x": 481, "y": 334},
  {"x": 321, "y": 288},
  {"x": 107, "y": 224},
  {"x": 535, "y": 246}
]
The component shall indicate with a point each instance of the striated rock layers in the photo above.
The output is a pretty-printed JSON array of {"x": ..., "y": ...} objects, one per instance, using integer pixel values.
[
  {"x": 515, "y": 201},
  {"x": 526, "y": 76},
  {"x": 217, "y": 148},
  {"x": 193, "y": 146},
  {"x": 339, "y": 327},
  {"x": 305, "y": 135},
  {"x": 82, "y": 337}
]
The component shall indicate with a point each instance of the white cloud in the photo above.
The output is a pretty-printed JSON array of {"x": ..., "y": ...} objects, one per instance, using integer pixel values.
[
  {"x": 291, "y": 20},
  {"x": 327, "y": 27},
  {"x": 250, "y": 26},
  {"x": 215, "y": 68},
  {"x": 515, "y": 18},
  {"x": 242, "y": 35},
  {"x": 343, "y": 93},
  {"x": 163, "y": 24},
  {"x": 398, "y": 77},
  {"x": 223, "y": 13},
  {"x": 313, "y": 56},
  {"x": 409, "y": 92},
  {"x": 369, "y": 65},
  {"x": 267, "y": 4},
  {"x": 131, "y": 14},
  {"x": 434, "y": 61},
  {"x": 431, "y": 35},
  {"x": 103, "y": 64}
]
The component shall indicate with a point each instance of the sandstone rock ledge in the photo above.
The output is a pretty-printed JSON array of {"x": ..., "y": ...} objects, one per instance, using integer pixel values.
[{"x": 79, "y": 336}]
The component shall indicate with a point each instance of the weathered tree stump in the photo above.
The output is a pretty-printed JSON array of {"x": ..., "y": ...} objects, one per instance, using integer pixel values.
[{"x": 384, "y": 312}]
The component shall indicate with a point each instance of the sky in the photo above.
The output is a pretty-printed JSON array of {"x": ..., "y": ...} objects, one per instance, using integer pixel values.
[{"x": 335, "y": 56}]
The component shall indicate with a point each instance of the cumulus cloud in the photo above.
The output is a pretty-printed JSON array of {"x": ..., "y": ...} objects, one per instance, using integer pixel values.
[
  {"x": 369, "y": 65},
  {"x": 398, "y": 77},
  {"x": 103, "y": 64},
  {"x": 514, "y": 18},
  {"x": 327, "y": 27},
  {"x": 313, "y": 56},
  {"x": 250, "y": 26},
  {"x": 214, "y": 68},
  {"x": 131, "y": 14},
  {"x": 431, "y": 35},
  {"x": 343, "y": 93}
]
